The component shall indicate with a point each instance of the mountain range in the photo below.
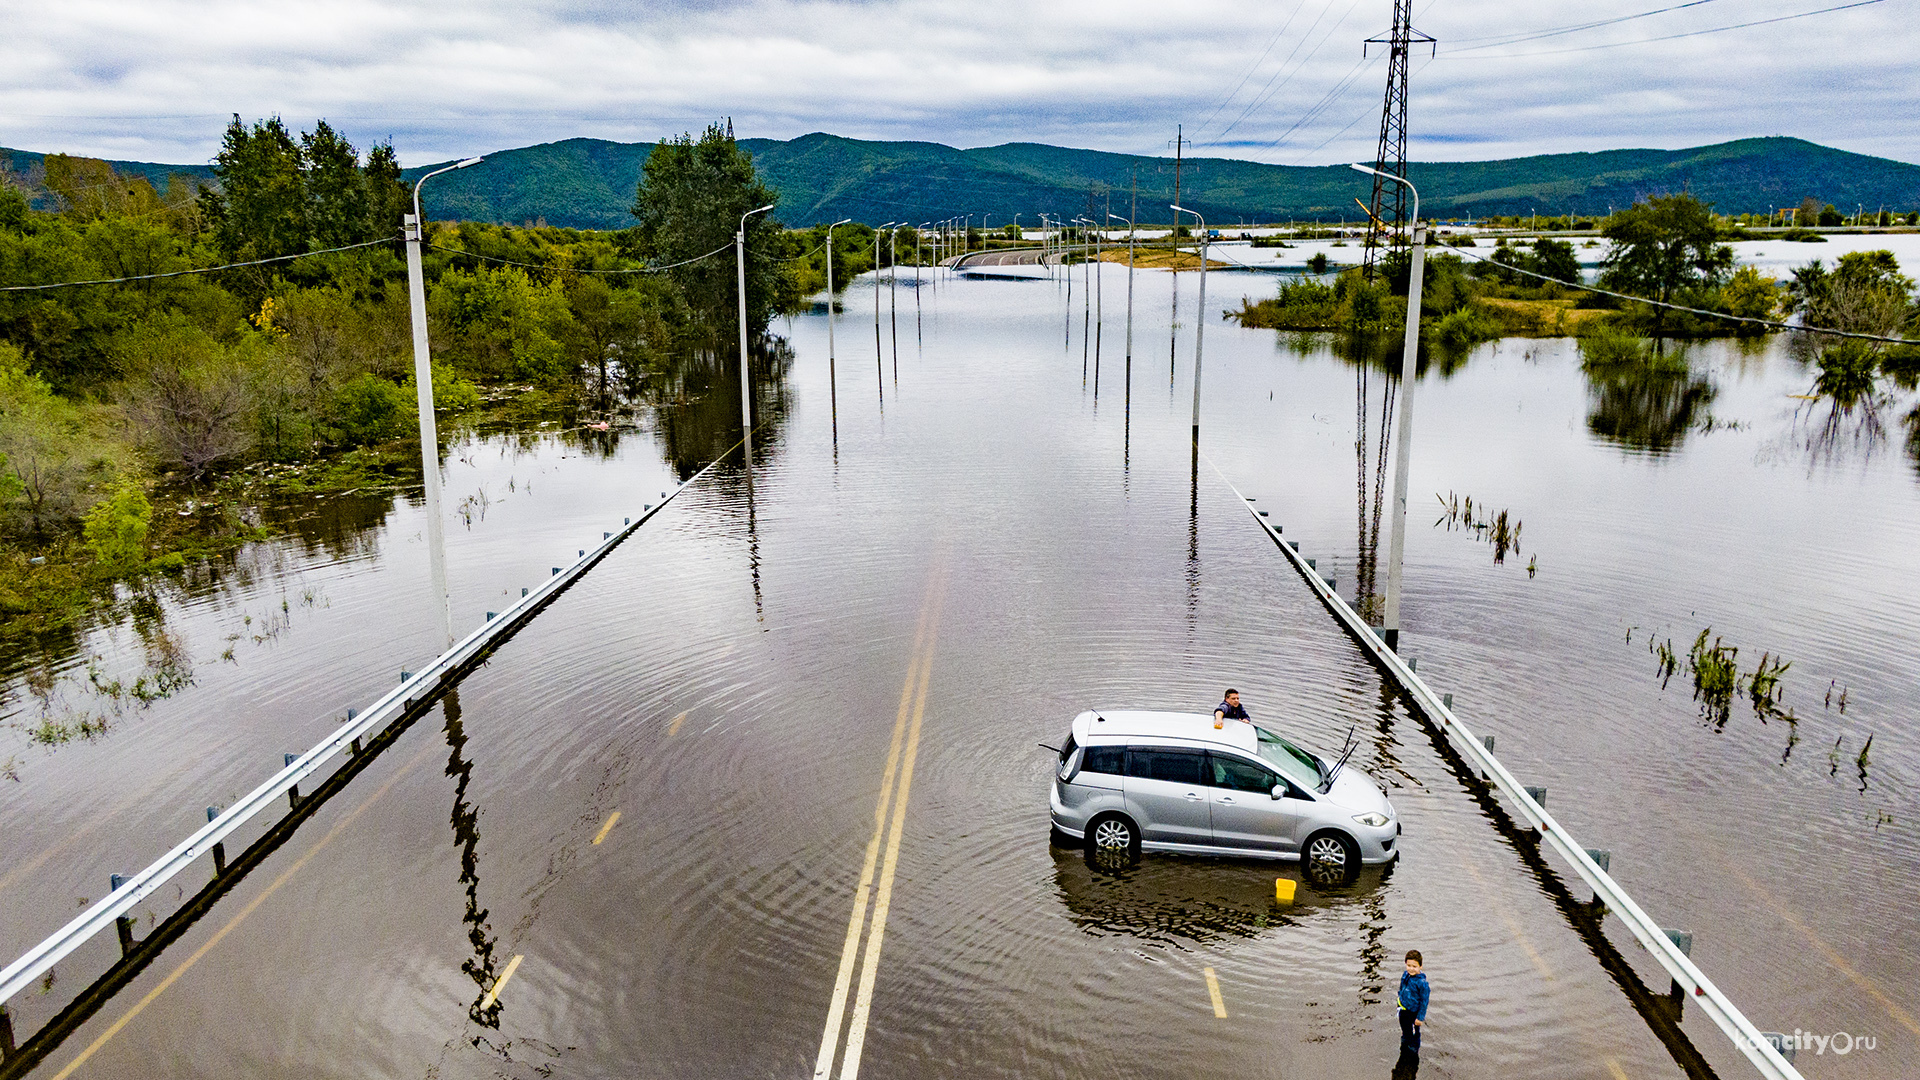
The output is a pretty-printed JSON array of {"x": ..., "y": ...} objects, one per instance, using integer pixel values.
[{"x": 589, "y": 183}]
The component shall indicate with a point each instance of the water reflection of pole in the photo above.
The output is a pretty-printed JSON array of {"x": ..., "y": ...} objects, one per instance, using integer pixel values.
[
  {"x": 1193, "y": 541},
  {"x": 833, "y": 394},
  {"x": 465, "y": 820},
  {"x": 879, "y": 367},
  {"x": 1409, "y": 363},
  {"x": 1127, "y": 386},
  {"x": 1200, "y": 322},
  {"x": 423, "y": 388},
  {"x": 893, "y": 295}
]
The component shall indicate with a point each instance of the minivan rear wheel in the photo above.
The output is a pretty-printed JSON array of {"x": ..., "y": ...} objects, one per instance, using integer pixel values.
[
  {"x": 1331, "y": 858},
  {"x": 1113, "y": 833}
]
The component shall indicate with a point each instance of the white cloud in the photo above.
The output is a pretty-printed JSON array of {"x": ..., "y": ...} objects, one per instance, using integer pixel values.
[{"x": 157, "y": 79}]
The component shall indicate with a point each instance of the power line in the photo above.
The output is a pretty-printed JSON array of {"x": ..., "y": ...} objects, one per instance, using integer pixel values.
[
  {"x": 201, "y": 270},
  {"x": 1535, "y": 35},
  {"x": 1688, "y": 34},
  {"x": 1251, "y": 68},
  {"x": 576, "y": 270},
  {"x": 1693, "y": 310},
  {"x": 1267, "y": 92}
]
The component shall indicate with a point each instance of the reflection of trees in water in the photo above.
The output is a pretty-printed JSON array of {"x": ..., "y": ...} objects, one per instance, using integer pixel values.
[
  {"x": 696, "y": 399},
  {"x": 1647, "y": 404}
]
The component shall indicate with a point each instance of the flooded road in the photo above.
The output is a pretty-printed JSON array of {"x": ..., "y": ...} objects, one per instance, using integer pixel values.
[{"x": 939, "y": 579}]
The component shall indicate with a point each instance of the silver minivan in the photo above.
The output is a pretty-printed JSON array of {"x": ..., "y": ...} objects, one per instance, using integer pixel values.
[{"x": 1137, "y": 781}]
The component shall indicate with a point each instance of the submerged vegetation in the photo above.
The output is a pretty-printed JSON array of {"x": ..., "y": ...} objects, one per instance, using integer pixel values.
[
  {"x": 1494, "y": 528},
  {"x": 1717, "y": 678}
]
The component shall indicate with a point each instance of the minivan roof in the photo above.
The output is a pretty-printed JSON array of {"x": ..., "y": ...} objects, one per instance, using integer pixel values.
[{"x": 1141, "y": 723}]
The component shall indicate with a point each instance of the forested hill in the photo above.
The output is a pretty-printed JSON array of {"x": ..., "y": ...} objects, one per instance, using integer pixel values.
[{"x": 589, "y": 183}]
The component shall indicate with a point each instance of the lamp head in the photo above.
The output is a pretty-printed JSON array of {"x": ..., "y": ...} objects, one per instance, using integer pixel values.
[
  {"x": 470, "y": 161},
  {"x": 1357, "y": 167}
]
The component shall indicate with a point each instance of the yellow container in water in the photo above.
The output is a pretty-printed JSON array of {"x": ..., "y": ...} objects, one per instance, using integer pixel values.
[{"x": 1283, "y": 890}]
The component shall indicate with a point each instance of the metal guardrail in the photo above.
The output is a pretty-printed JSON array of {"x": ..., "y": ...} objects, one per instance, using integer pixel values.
[
  {"x": 106, "y": 912},
  {"x": 1747, "y": 1038}
]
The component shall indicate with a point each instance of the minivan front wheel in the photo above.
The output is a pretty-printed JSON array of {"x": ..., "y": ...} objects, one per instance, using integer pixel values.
[
  {"x": 1113, "y": 833},
  {"x": 1331, "y": 858}
]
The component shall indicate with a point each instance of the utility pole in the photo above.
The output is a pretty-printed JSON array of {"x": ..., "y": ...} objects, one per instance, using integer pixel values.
[{"x": 1388, "y": 208}]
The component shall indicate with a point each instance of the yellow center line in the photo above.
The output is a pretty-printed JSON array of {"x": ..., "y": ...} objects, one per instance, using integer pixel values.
[
  {"x": 883, "y": 899},
  {"x": 239, "y": 917},
  {"x": 1513, "y": 924},
  {"x": 843, "y": 981},
  {"x": 1832, "y": 955},
  {"x": 674, "y": 727},
  {"x": 1614, "y": 1068},
  {"x": 1213, "y": 991},
  {"x": 499, "y": 984},
  {"x": 607, "y": 828}
]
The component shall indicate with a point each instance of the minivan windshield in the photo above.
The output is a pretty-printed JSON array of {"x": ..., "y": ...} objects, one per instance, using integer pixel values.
[{"x": 1294, "y": 763}]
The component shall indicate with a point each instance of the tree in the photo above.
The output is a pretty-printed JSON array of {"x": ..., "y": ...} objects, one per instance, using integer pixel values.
[
  {"x": 1555, "y": 259},
  {"x": 191, "y": 401},
  {"x": 388, "y": 199},
  {"x": 1661, "y": 246},
  {"x": 690, "y": 199},
  {"x": 336, "y": 192},
  {"x": 260, "y": 208},
  {"x": 1750, "y": 295},
  {"x": 52, "y": 447}
]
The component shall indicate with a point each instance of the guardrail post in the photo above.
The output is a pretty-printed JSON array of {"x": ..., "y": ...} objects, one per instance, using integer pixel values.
[
  {"x": 523, "y": 592},
  {"x": 1682, "y": 940},
  {"x": 6, "y": 1034},
  {"x": 219, "y": 849},
  {"x": 293, "y": 793},
  {"x": 1601, "y": 858},
  {"x": 1782, "y": 1043},
  {"x": 123, "y": 924},
  {"x": 556, "y": 570},
  {"x": 1538, "y": 794},
  {"x": 1447, "y": 700}
]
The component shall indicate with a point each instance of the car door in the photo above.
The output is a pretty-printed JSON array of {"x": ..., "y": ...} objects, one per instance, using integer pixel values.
[
  {"x": 1244, "y": 813},
  {"x": 1164, "y": 791}
]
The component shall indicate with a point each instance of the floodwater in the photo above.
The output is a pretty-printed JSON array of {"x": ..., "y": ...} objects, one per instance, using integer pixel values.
[{"x": 938, "y": 569}]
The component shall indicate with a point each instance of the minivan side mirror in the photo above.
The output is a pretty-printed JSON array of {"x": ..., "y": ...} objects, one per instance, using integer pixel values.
[{"x": 1279, "y": 791}]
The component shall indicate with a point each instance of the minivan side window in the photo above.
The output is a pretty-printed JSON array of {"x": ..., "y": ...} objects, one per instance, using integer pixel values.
[
  {"x": 1175, "y": 766},
  {"x": 1111, "y": 760},
  {"x": 1237, "y": 774}
]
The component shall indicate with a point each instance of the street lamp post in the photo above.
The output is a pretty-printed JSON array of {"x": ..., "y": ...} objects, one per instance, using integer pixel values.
[
  {"x": 1402, "y": 457},
  {"x": 830, "y": 229},
  {"x": 879, "y": 372},
  {"x": 919, "y": 328},
  {"x": 1129, "y": 222},
  {"x": 740, "y": 262},
  {"x": 893, "y": 293},
  {"x": 1200, "y": 323},
  {"x": 412, "y": 227}
]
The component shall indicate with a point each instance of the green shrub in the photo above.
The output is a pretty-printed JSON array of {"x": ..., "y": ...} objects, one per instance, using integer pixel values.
[
  {"x": 369, "y": 409},
  {"x": 1464, "y": 327},
  {"x": 116, "y": 527},
  {"x": 1610, "y": 346}
]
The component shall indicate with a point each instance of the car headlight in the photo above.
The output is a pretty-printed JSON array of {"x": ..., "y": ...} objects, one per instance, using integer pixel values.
[{"x": 1374, "y": 820}]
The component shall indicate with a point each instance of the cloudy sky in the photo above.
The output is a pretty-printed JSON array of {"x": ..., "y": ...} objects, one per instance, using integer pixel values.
[{"x": 1281, "y": 81}]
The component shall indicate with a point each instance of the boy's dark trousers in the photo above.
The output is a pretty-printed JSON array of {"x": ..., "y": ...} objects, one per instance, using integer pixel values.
[{"x": 1409, "y": 1064}]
